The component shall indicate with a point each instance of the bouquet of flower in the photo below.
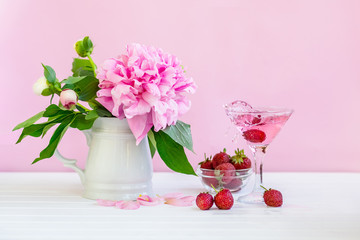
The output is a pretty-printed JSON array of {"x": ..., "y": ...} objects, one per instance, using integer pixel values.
[{"x": 145, "y": 85}]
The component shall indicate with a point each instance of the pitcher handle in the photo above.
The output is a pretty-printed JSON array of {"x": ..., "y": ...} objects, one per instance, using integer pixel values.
[{"x": 71, "y": 163}]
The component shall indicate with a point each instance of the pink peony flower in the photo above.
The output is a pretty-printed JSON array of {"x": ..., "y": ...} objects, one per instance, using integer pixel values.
[{"x": 146, "y": 86}]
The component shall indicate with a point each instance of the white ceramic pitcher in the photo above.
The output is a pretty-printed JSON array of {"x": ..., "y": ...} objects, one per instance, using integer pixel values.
[{"x": 116, "y": 169}]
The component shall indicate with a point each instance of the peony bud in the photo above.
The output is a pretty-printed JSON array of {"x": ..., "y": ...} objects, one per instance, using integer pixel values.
[
  {"x": 83, "y": 47},
  {"x": 40, "y": 85},
  {"x": 68, "y": 99}
]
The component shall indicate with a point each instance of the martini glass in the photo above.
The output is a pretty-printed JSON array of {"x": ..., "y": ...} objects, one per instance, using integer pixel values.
[{"x": 258, "y": 127}]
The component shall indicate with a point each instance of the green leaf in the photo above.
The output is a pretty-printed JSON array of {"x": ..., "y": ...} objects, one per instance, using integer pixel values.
[
  {"x": 49, "y": 73},
  {"x": 152, "y": 137},
  {"x": 180, "y": 133},
  {"x": 47, "y": 128},
  {"x": 36, "y": 130},
  {"x": 100, "y": 109},
  {"x": 152, "y": 142},
  {"x": 81, "y": 123},
  {"x": 30, "y": 121},
  {"x": 84, "y": 72},
  {"x": 103, "y": 112},
  {"x": 55, "y": 139},
  {"x": 92, "y": 114},
  {"x": 46, "y": 92},
  {"x": 152, "y": 148},
  {"x": 81, "y": 109},
  {"x": 82, "y": 67},
  {"x": 86, "y": 88},
  {"x": 54, "y": 110},
  {"x": 72, "y": 80},
  {"x": 172, "y": 153},
  {"x": 52, "y": 121},
  {"x": 89, "y": 90},
  {"x": 87, "y": 44}
]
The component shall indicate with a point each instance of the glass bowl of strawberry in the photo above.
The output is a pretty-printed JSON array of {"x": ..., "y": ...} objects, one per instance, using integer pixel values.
[{"x": 225, "y": 171}]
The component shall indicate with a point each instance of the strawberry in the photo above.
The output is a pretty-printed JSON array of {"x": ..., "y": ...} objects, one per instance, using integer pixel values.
[
  {"x": 249, "y": 119},
  {"x": 209, "y": 178},
  {"x": 272, "y": 197},
  {"x": 240, "y": 160},
  {"x": 254, "y": 135},
  {"x": 256, "y": 120},
  {"x": 219, "y": 158},
  {"x": 224, "y": 199},
  {"x": 234, "y": 185},
  {"x": 207, "y": 163},
  {"x": 204, "y": 201},
  {"x": 225, "y": 172}
]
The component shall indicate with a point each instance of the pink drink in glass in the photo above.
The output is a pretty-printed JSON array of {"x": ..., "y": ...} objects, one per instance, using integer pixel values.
[{"x": 259, "y": 127}]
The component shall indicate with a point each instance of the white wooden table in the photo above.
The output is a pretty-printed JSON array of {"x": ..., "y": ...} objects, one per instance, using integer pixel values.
[{"x": 49, "y": 206}]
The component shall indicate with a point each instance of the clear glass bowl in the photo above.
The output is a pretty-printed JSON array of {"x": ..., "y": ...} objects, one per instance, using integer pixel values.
[{"x": 234, "y": 180}]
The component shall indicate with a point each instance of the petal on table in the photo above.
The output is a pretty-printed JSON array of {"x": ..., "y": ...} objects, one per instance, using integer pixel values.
[
  {"x": 181, "y": 202},
  {"x": 106, "y": 203},
  {"x": 171, "y": 195},
  {"x": 127, "y": 205},
  {"x": 146, "y": 200}
]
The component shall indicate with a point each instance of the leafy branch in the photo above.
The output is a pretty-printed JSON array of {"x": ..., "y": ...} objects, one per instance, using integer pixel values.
[
  {"x": 85, "y": 85},
  {"x": 169, "y": 143}
]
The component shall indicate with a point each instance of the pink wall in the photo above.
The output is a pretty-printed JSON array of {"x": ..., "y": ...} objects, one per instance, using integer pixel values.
[{"x": 299, "y": 54}]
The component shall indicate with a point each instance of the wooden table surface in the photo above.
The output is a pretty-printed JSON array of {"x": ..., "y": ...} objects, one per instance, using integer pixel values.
[{"x": 50, "y": 206}]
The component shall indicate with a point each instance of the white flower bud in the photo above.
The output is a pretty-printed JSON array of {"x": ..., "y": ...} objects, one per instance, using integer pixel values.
[{"x": 40, "y": 85}]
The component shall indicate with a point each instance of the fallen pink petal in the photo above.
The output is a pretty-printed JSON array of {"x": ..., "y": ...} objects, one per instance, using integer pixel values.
[
  {"x": 181, "y": 202},
  {"x": 106, "y": 203},
  {"x": 127, "y": 205},
  {"x": 146, "y": 200},
  {"x": 174, "y": 199},
  {"x": 171, "y": 195}
]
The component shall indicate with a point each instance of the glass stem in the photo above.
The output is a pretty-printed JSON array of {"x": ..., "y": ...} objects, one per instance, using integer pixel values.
[{"x": 258, "y": 153}]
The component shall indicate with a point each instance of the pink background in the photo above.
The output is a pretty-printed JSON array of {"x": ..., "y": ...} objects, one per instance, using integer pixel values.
[{"x": 299, "y": 54}]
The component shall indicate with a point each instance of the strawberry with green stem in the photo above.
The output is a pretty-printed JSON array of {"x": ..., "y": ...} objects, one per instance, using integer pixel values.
[
  {"x": 272, "y": 197},
  {"x": 240, "y": 160},
  {"x": 225, "y": 173},
  {"x": 220, "y": 158},
  {"x": 207, "y": 163},
  {"x": 208, "y": 172},
  {"x": 223, "y": 199}
]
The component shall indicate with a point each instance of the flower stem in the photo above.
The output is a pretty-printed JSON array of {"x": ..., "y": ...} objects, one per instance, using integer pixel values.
[
  {"x": 86, "y": 109},
  {"x": 58, "y": 90},
  {"x": 92, "y": 63}
]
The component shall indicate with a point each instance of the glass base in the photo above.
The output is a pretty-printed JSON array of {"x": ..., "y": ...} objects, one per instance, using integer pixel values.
[{"x": 255, "y": 197}]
